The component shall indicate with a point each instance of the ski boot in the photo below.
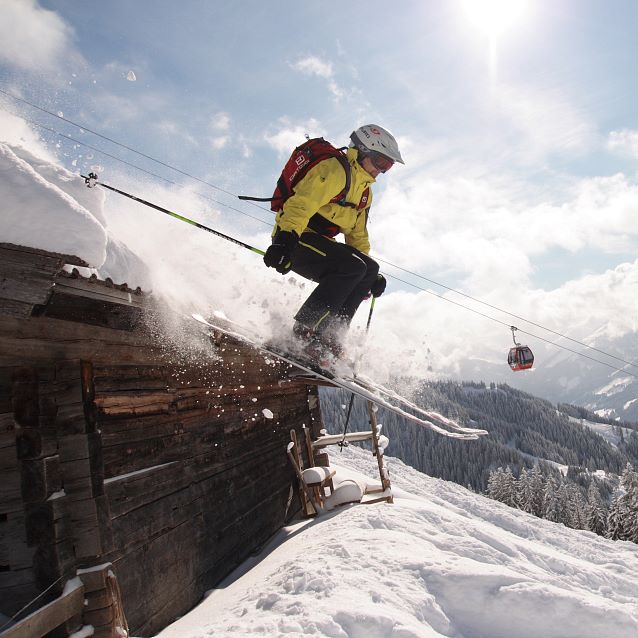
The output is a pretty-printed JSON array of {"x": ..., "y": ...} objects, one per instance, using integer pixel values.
[{"x": 318, "y": 348}]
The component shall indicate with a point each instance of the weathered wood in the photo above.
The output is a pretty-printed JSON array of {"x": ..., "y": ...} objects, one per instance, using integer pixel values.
[
  {"x": 10, "y": 490},
  {"x": 40, "y": 478},
  {"x": 94, "y": 578},
  {"x": 96, "y": 309},
  {"x": 14, "y": 552},
  {"x": 46, "y": 523},
  {"x": 13, "y": 308},
  {"x": 48, "y": 617},
  {"x": 45, "y": 339},
  {"x": 161, "y": 451},
  {"x": 28, "y": 254},
  {"x": 96, "y": 289},
  {"x": 378, "y": 452},
  {"x": 25, "y": 397}
]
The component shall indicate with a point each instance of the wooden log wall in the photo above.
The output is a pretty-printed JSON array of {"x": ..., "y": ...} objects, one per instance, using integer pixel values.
[{"x": 121, "y": 445}]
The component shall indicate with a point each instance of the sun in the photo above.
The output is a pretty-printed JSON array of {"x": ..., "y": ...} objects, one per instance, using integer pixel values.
[{"x": 494, "y": 17}]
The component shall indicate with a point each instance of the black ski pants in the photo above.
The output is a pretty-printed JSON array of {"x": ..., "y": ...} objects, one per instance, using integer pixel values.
[{"x": 344, "y": 275}]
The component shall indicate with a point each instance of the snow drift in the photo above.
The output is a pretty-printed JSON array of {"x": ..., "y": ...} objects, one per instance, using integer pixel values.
[
  {"x": 441, "y": 561},
  {"x": 46, "y": 206}
]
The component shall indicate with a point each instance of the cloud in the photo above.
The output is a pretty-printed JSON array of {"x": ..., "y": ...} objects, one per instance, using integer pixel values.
[
  {"x": 312, "y": 65},
  {"x": 220, "y": 121},
  {"x": 624, "y": 141},
  {"x": 290, "y": 135},
  {"x": 220, "y": 125},
  {"x": 542, "y": 122},
  {"x": 485, "y": 235},
  {"x": 172, "y": 130},
  {"x": 220, "y": 142},
  {"x": 33, "y": 38}
]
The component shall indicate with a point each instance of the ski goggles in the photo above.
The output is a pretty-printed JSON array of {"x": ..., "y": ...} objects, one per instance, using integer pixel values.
[{"x": 381, "y": 162}]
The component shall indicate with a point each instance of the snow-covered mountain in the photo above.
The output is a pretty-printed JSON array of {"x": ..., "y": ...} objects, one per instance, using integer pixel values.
[
  {"x": 440, "y": 561},
  {"x": 563, "y": 377}
]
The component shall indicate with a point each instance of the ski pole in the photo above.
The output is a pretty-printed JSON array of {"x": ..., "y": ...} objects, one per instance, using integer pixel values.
[
  {"x": 343, "y": 442},
  {"x": 91, "y": 180}
]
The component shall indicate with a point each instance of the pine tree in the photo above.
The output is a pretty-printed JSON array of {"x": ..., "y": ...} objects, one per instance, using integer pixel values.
[
  {"x": 509, "y": 488},
  {"x": 616, "y": 518},
  {"x": 538, "y": 491},
  {"x": 553, "y": 510},
  {"x": 596, "y": 517},
  {"x": 523, "y": 496},
  {"x": 501, "y": 486},
  {"x": 564, "y": 508},
  {"x": 575, "y": 508},
  {"x": 495, "y": 484},
  {"x": 629, "y": 483}
]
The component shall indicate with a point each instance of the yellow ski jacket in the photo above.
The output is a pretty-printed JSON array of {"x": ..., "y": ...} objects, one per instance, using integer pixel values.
[{"x": 313, "y": 193}]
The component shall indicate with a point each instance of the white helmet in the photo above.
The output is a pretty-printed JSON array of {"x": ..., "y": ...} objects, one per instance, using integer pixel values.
[{"x": 375, "y": 138}]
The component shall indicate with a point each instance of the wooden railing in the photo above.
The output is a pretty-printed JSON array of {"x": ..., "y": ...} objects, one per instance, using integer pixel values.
[
  {"x": 93, "y": 598},
  {"x": 52, "y": 615}
]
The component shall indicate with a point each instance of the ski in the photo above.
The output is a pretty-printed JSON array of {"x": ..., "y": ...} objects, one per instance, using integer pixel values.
[{"x": 370, "y": 392}]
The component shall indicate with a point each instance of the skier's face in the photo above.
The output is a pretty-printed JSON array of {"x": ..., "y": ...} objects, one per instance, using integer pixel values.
[
  {"x": 375, "y": 163},
  {"x": 369, "y": 167}
]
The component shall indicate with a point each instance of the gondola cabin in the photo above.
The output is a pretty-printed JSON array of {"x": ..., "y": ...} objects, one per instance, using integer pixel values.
[{"x": 520, "y": 358}]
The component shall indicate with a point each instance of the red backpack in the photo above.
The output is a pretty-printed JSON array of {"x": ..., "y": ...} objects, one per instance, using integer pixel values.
[{"x": 303, "y": 158}]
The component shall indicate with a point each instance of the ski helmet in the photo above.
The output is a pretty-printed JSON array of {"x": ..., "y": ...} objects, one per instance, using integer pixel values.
[{"x": 375, "y": 138}]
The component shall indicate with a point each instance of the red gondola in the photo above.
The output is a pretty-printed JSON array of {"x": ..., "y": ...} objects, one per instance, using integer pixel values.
[{"x": 520, "y": 357}]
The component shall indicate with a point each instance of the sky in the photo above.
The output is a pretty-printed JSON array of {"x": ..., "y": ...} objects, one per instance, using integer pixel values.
[
  {"x": 519, "y": 132},
  {"x": 440, "y": 561}
]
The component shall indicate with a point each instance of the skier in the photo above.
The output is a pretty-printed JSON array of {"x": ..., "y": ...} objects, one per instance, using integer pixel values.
[{"x": 303, "y": 239}]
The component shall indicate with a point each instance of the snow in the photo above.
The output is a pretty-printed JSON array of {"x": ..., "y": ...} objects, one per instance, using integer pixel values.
[
  {"x": 315, "y": 474},
  {"x": 615, "y": 386},
  {"x": 145, "y": 470},
  {"x": 348, "y": 491},
  {"x": 83, "y": 632},
  {"x": 38, "y": 211},
  {"x": 46, "y": 206},
  {"x": 440, "y": 561},
  {"x": 611, "y": 433},
  {"x": 71, "y": 585}
]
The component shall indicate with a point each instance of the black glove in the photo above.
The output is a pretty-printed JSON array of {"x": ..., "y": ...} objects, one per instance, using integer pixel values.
[
  {"x": 377, "y": 288},
  {"x": 279, "y": 252}
]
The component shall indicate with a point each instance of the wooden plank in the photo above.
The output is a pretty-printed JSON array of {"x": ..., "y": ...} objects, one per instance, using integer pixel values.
[
  {"x": 34, "y": 481},
  {"x": 94, "y": 578},
  {"x": 383, "y": 472},
  {"x": 15, "y": 252},
  {"x": 90, "y": 526},
  {"x": 332, "y": 439},
  {"x": 96, "y": 289},
  {"x": 49, "y": 617},
  {"x": 46, "y": 523},
  {"x": 99, "y": 310},
  {"x": 14, "y": 552},
  {"x": 13, "y": 308},
  {"x": 42, "y": 339}
]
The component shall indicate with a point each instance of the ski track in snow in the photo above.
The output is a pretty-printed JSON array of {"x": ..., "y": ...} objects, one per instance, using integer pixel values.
[{"x": 441, "y": 561}]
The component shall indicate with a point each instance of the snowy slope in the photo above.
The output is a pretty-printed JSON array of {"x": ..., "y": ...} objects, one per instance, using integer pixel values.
[
  {"x": 441, "y": 561},
  {"x": 610, "y": 433}
]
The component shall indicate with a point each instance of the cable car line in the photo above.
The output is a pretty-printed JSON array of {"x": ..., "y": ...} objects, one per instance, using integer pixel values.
[
  {"x": 507, "y": 312},
  {"x": 388, "y": 263},
  {"x": 108, "y": 139},
  {"x": 503, "y": 323},
  {"x": 139, "y": 168}
]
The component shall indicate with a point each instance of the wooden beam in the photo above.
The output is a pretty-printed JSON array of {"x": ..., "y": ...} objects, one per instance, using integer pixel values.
[{"x": 49, "y": 617}]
